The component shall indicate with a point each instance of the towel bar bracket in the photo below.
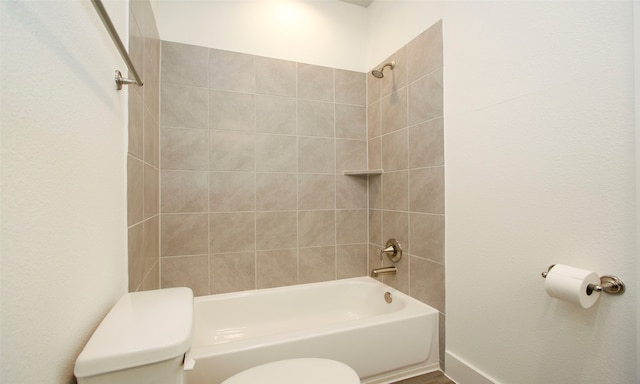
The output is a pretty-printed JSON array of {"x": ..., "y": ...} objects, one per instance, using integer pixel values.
[{"x": 120, "y": 81}]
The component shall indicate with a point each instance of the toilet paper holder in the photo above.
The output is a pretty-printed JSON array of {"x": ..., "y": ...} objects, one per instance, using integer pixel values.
[{"x": 608, "y": 284}]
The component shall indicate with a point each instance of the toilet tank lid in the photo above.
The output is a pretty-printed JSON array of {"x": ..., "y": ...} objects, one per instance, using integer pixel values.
[{"x": 142, "y": 328}]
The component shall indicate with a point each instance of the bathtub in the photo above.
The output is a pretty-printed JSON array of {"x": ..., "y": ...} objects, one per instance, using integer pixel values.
[{"x": 346, "y": 320}]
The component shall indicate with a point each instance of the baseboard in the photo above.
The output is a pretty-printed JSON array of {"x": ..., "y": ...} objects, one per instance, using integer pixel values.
[{"x": 463, "y": 373}]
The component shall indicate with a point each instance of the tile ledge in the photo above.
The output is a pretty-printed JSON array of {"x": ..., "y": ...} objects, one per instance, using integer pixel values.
[{"x": 363, "y": 172}]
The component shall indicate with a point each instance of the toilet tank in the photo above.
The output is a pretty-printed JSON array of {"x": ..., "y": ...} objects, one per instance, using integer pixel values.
[{"x": 142, "y": 340}]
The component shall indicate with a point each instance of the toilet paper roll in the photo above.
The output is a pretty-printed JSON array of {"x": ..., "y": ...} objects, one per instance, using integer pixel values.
[{"x": 570, "y": 284}]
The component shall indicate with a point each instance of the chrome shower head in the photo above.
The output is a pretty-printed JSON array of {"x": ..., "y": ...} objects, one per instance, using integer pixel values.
[{"x": 379, "y": 73}]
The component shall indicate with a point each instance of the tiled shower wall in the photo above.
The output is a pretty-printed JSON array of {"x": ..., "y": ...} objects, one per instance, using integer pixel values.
[
  {"x": 252, "y": 154},
  {"x": 406, "y": 139},
  {"x": 143, "y": 153}
]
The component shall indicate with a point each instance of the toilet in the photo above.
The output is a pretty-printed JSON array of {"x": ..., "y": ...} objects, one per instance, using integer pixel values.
[
  {"x": 145, "y": 336},
  {"x": 297, "y": 371}
]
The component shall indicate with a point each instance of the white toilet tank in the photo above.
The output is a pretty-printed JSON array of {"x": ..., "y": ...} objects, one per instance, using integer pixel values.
[{"x": 142, "y": 340}]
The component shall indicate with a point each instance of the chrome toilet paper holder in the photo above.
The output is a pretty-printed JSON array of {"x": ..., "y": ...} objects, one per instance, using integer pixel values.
[{"x": 608, "y": 284}]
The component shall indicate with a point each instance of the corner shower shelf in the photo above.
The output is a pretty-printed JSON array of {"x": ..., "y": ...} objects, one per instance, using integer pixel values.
[{"x": 363, "y": 172}]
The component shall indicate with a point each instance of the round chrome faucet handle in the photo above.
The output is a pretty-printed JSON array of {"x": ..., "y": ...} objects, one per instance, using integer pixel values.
[{"x": 393, "y": 250}]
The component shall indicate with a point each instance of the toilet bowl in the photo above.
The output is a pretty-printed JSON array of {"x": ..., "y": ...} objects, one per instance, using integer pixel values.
[
  {"x": 296, "y": 371},
  {"x": 146, "y": 335}
]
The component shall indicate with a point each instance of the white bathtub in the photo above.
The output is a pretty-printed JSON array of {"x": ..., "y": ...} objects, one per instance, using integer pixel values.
[{"x": 345, "y": 320}]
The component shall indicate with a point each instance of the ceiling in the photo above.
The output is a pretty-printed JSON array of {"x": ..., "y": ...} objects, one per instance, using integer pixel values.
[{"x": 362, "y": 3}]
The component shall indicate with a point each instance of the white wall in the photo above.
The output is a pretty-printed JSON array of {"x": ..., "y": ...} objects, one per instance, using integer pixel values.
[
  {"x": 63, "y": 137},
  {"x": 539, "y": 170},
  {"x": 328, "y": 33}
]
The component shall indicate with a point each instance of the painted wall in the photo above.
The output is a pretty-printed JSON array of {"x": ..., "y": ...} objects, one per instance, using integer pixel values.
[
  {"x": 539, "y": 147},
  {"x": 64, "y": 244},
  {"x": 326, "y": 33}
]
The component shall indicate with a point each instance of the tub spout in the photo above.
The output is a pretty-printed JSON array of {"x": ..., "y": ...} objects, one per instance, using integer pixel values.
[{"x": 384, "y": 271}]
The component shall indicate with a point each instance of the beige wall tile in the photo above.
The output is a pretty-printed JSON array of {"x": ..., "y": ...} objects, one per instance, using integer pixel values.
[
  {"x": 184, "y": 234},
  {"x": 184, "y": 149},
  {"x": 143, "y": 161},
  {"x": 395, "y": 190},
  {"x": 187, "y": 271},
  {"x": 275, "y": 114},
  {"x": 427, "y": 236},
  {"x": 395, "y": 225},
  {"x": 426, "y": 98},
  {"x": 317, "y": 264},
  {"x": 232, "y": 232},
  {"x": 351, "y": 192},
  {"x": 393, "y": 111},
  {"x": 350, "y": 87},
  {"x": 375, "y": 227},
  {"x": 232, "y": 272},
  {"x": 232, "y": 151},
  {"x": 427, "y": 282},
  {"x": 152, "y": 279},
  {"x": 151, "y": 191},
  {"x": 426, "y": 192},
  {"x": 373, "y": 88},
  {"x": 275, "y": 76},
  {"x": 352, "y": 260},
  {"x": 426, "y": 144},
  {"x": 184, "y": 106},
  {"x": 351, "y": 121},
  {"x": 316, "y": 155},
  {"x": 276, "y": 153},
  {"x": 184, "y": 64},
  {"x": 350, "y": 154},
  {"x": 276, "y": 191},
  {"x": 276, "y": 230},
  {"x": 315, "y": 82},
  {"x": 151, "y": 145},
  {"x": 375, "y": 261},
  {"x": 316, "y": 228},
  {"x": 136, "y": 256},
  {"x": 232, "y": 191},
  {"x": 375, "y": 192},
  {"x": 351, "y": 226},
  {"x": 151, "y": 247},
  {"x": 373, "y": 120},
  {"x": 151, "y": 89},
  {"x": 315, "y": 118},
  {"x": 184, "y": 191},
  {"x": 135, "y": 190},
  {"x": 231, "y": 71},
  {"x": 400, "y": 280},
  {"x": 394, "y": 79},
  {"x": 232, "y": 111},
  {"x": 136, "y": 125},
  {"x": 277, "y": 268},
  {"x": 424, "y": 53},
  {"x": 395, "y": 151},
  {"x": 374, "y": 151},
  {"x": 316, "y": 191}
]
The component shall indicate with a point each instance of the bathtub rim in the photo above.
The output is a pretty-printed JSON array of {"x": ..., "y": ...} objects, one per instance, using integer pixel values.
[{"x": 413, "y": 309}]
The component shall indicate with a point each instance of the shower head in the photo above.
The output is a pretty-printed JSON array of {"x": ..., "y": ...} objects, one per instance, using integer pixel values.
[{"x": 379, "y": 73}]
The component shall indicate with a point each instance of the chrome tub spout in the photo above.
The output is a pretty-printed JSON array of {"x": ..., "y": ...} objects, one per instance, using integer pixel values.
[{"x": 384, "y": 271}]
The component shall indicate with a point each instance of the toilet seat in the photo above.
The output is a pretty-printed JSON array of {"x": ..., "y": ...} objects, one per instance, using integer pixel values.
[{"x": 296, "y": 371}]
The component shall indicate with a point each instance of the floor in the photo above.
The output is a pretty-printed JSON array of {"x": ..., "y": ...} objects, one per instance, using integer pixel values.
[{"x": 436, "y": 377}]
